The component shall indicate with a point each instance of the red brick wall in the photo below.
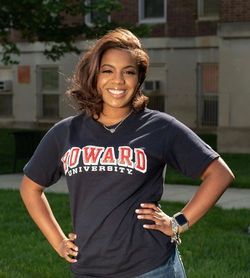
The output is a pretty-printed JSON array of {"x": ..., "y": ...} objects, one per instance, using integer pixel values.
[
  {"x": 234, "y": 10},
  {"x": 181, "y": 16},
  {"x": 183, "y": 20},
  {"x": 128, "y": 14}
]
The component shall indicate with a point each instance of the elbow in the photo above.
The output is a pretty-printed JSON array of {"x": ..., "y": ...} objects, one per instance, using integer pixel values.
[
  {"x": 227, "y": 177},
  {"x": 22, "y": 190},
  {"x": 225, "y": 172},
  {"x": 231, "y": 177}
]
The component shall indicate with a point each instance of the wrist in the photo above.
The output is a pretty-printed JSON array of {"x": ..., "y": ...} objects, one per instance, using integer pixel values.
[
  {"x": 179, "y": 224},
  {"x": 182, "y": 222},
  {"x": 175, "y": 229},
  {"x": 58, "y": 248}
]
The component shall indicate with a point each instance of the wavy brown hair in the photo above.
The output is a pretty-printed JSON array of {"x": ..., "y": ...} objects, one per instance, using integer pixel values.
[{"x": 83, "y": 86}]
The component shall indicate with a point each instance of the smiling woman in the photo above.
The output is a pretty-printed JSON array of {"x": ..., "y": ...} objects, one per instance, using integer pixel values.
[
  {"x": 117, "y": 83},
  {"x": 117, "y": 55},
  {"x": 113, "y": 155}
]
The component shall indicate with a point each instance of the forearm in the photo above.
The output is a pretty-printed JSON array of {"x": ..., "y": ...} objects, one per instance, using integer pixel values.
[
  {"x": 40, "y": 211},
  {"x": 215, "y": 181}
]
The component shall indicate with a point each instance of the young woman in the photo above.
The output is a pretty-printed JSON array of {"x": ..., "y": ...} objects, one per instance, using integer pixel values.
[{"x": 113, "y": 155}]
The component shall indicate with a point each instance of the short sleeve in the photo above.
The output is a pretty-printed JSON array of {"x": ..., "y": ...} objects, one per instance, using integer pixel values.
[
  {"x": 187, "y": 152},
  {"x": 44, "y": 166}
]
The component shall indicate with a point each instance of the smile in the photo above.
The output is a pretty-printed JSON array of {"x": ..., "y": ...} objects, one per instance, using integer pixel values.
[{"x": 116, "y": 92}]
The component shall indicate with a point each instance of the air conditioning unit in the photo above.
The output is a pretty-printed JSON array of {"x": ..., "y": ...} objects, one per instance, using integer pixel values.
[
  {"x": 151, "y": 86},
  {"x": 5, "y": 85}
]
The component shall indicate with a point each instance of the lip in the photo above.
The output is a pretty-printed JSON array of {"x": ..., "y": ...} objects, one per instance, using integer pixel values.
[{"x": 117, "y": 92}]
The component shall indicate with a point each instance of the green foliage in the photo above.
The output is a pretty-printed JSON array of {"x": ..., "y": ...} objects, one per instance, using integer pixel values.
[
  {"x": 217, "y": 246},
  {"x": 57, "y": 23}
]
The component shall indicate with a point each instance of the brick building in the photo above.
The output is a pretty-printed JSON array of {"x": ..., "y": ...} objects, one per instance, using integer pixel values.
[{"x": 199, "y": 69}]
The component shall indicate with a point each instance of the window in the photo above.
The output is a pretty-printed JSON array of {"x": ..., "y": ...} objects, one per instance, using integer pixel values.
[
  {"x": 6, "y": 93},
  {"x": 95, "y": 17},
  {"x": 208, "y": 9},
  {"x": 49, "y": 92},
  {"x": 152, "y": 11},
  {"x": 207, "y": 94}
]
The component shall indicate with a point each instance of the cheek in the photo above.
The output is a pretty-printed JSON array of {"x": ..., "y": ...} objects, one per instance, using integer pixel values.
[{"x": 99, "y": 84}]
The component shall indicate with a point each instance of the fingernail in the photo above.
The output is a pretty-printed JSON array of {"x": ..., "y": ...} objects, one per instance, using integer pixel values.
[
  {"x": 145, "y": 226},
  {"x": 76, "y": 249},
  {"x": 139, "y": 216},
  {"x": 142, "y": 205},
  {"x": 137, "y": 211}
]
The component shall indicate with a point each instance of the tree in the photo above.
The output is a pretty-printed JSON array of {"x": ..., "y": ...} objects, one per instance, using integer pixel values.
[{"x": 57, "y": 23}]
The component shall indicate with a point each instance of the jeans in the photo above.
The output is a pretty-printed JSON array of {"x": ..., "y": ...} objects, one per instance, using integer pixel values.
[{"x": 173, "y": 268}]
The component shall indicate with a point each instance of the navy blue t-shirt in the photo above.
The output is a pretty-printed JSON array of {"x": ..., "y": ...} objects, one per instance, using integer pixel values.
[{"x": 109, "y": 175}]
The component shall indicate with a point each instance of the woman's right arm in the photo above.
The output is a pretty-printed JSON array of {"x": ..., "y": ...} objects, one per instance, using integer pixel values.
[{"x": 39, "y": 209}]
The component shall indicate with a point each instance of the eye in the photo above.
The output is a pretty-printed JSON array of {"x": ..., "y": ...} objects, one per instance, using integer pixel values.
[
  {"x": 107, "y": 71},
  {"x": 130, "y": 72}
]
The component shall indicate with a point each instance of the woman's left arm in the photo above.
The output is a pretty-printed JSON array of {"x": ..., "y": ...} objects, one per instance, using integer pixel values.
[{"x": 215, "y": 179}]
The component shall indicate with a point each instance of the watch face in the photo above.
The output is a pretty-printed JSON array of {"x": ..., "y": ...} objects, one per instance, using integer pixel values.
[{"x": 181, "y": 219}]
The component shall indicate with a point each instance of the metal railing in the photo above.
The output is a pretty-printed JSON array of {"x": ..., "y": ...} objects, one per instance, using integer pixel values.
[
  {"x": 207, "y": 110},
  {"x": 157, "y": 102}
]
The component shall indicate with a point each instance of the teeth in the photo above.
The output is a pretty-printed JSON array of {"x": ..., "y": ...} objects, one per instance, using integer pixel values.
[{"x": 116, "y": 92}]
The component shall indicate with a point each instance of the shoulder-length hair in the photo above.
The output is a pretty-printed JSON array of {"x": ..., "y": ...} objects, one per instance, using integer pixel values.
[{"x": 83, "y": 86}]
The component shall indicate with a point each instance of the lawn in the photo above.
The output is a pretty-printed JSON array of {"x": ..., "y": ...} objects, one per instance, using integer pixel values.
[{"x": 217, "y": 246}]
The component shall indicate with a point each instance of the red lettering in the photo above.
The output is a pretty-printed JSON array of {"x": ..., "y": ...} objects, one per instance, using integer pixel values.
[
  {"x": 91, "y": 154},
  {"x": 65, "y": 162},
  {"x": 108, "y": 156},
  {"x": 140, "y": 160},
  {"x": 125, "y": 156},
  {"x": 74, "y": 157}
]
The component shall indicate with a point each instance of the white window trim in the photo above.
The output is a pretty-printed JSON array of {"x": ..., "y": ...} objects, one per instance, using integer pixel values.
[
  {"x": 41, "y": 92},
  {"x": 151, "y": 20},
  {"x": 201, "y": 16},
  {"x": 47, "y": 92},
  {"x": 10, "y": 92},
  {"x": 88, "y": 17}
]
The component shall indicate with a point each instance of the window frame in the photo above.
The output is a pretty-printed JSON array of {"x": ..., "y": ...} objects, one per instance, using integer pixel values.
[
  {"x": 10, "y": 92},
  {"x": 41, "y": 93},
  {"x": 202, "y": 16},
  {"x": 142, "y": 19},
  {"x": 207, "y": 100}
]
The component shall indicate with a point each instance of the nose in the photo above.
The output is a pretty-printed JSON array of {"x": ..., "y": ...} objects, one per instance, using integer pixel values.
[{"x": 118, "y": 78}]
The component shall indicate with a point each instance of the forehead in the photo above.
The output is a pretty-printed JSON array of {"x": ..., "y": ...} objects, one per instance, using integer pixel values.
[{"x": 118, "y": 57}]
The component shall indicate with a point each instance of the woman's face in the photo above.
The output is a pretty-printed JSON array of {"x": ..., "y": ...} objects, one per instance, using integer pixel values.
[{"x": 117, "y": 80}]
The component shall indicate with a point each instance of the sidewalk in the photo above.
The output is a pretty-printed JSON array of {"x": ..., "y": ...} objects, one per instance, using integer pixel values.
[{"x": 232, "y": 198}]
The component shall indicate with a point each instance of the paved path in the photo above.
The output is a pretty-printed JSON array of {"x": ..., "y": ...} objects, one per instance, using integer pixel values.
[{"x": 232, "y": 198}]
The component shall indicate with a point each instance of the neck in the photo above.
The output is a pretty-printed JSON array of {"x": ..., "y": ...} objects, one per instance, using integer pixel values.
[{"x": 113, "y": 116}]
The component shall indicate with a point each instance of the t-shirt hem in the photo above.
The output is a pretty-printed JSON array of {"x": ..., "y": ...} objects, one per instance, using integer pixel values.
[
  {"x": 205, "y": 164},
  {"x": 131, "y": 274},
  {"x": 30, "y": 176}
]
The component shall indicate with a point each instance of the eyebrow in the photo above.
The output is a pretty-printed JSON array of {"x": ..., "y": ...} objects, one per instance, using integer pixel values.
[{"x": 129, "y": 66}]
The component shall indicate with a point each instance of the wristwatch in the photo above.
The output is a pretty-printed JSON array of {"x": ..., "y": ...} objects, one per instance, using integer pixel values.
[{"x": 181, "y": 221}]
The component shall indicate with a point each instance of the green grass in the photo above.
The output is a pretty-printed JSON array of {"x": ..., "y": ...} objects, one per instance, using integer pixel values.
[
  {"x": 217, "y": 246},
  {"x": 239, "y": 163}
]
